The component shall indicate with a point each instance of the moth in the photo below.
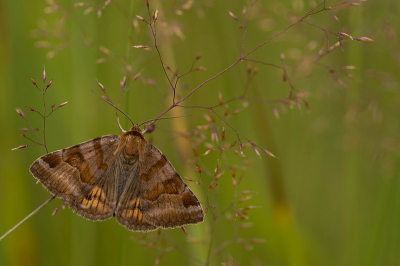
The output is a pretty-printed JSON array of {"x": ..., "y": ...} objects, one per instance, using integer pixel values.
[{"x": 123, "y": 176}]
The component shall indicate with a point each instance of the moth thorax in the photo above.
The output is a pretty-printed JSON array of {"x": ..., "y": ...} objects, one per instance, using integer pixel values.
[{"x": 131, "y": 145}]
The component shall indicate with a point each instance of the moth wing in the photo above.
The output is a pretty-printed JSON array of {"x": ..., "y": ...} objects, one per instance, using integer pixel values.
[
  {"x": 161, "y": 197},
  {"x": 167, "y": 201},
  {"x": 83, "y": 176}
]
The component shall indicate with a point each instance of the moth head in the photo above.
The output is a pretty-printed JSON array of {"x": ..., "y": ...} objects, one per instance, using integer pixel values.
[{"x": 135, "y": 129}]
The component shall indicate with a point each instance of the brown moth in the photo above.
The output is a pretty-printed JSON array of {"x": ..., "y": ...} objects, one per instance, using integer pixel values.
[{"x": 122, "y": 176}]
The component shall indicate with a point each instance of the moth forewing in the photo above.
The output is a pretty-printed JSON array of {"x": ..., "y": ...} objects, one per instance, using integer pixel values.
[{"x": 82, "y": 176}]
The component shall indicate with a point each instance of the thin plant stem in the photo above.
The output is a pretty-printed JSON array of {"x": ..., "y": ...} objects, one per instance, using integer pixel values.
[
  {"x": 27, "y": 217},
  {"x": 44, "y": 120}
]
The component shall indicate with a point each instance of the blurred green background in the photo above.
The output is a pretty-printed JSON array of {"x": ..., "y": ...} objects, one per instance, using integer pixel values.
[{"x": 332, "y": 197}]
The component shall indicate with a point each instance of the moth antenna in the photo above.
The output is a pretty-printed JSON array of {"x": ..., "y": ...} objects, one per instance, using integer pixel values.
[
  {"x": 163, "y": 118},
  {"x": 116, "y": 108},
  {"x": 119, "y": 124}
]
